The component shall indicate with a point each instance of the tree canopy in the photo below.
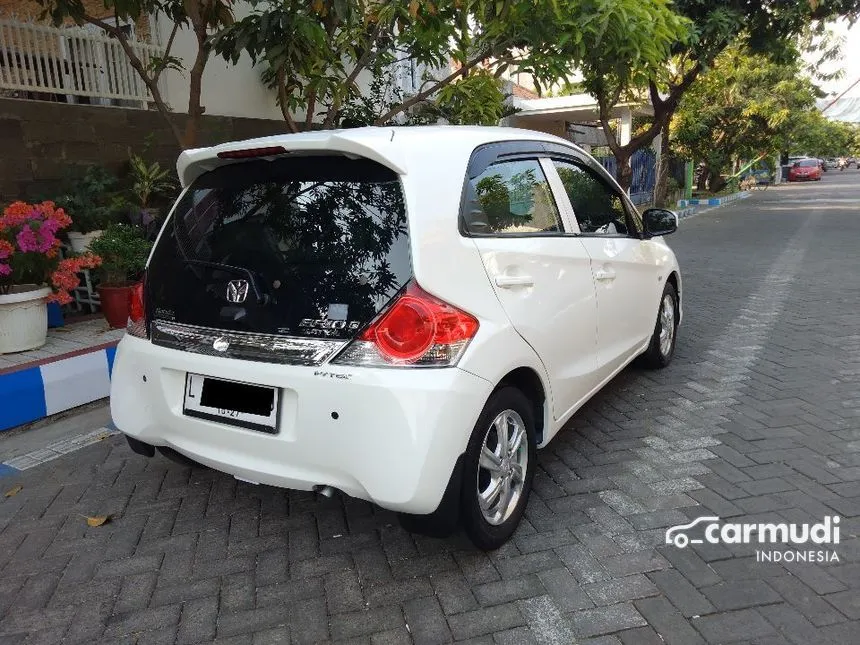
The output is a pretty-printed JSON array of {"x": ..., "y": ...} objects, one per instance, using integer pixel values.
[
  {"x": 744, "y": 106},
  {"x": 763, "y": 26},
  {"x": 321, "y": 56}
]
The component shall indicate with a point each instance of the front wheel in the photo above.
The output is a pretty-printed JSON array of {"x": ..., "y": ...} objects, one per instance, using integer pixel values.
[
  {"x": 499, "y": 467},
  {"x": 662, "y": 347}
]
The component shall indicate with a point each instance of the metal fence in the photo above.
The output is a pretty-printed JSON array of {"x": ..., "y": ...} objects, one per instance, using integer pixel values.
[
  {"x": 644, "y": 166},
  {"x": 69, "y": 64}
]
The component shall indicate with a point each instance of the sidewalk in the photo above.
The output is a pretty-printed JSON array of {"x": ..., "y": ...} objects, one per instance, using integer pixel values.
[{"x": 72, "y": 369}]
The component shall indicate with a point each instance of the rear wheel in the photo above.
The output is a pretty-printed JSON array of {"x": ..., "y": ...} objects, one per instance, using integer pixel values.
[
  {"x": 499, "y": 468},
  {"x": 662, "y": 348}
]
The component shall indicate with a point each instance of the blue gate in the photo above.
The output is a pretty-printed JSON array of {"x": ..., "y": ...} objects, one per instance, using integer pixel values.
[{"x": 644, "y": 165}]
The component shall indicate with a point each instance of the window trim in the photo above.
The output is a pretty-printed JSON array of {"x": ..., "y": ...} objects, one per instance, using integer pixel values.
[{"x": 518, "y": 153}]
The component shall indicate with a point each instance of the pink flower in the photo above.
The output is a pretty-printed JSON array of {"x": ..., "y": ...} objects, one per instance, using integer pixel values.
[
  {"x": 27, "y": 241},
  {"x": 5, "y": 269}
]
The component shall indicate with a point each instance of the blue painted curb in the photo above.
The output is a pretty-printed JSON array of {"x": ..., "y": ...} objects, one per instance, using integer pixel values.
[
  {"x": 34, "y": 392},
  {"x": 713, "y": 201}
]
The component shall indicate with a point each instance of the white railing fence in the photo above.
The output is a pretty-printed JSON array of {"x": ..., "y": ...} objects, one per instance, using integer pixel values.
[{"x": 71, "y": 62}]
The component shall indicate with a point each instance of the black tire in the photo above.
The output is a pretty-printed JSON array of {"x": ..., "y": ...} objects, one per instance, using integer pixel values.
[
  {"x": 655, "y": 357},
  {"x": 484, "y": 534}
]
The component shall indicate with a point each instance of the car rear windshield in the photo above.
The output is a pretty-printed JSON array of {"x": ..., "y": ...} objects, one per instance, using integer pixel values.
[
  {"x": 807, "y": 163},
  {"x": 311, "y": 246}
]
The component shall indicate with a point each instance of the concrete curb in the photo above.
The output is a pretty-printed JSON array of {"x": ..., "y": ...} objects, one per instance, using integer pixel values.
[
  {"x": 40, "y": 389},
  {"x": 713, "y": 201},
  {"x": 690, "y": 207}
]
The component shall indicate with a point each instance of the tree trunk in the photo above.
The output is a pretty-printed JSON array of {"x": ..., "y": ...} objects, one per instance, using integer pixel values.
[
  {"x": 661, "y": 189},
  {"x": 625, "y": 172},
  {"x": 716, "y": 182},
  {"x": 702, "y": 179},
  {"x": 195, "y": 110}
]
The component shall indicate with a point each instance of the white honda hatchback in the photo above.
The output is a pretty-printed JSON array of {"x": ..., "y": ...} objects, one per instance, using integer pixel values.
[{"x": 400, "y": 314}]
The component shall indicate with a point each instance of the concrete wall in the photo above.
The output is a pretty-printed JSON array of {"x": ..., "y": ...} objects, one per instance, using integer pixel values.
[
  {"x": 227, "y": 90},
  {"x": 40, "y": 140}
]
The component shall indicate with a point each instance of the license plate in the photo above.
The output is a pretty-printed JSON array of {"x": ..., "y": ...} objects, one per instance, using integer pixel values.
[{"x": 232, "y": 402}]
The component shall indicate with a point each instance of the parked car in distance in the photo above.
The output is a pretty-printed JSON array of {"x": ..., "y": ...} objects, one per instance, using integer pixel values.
[
  {"x": 404, "y": 315},
  {"x": 831, "y": 163},
  {"x": 805, "y": 170}
]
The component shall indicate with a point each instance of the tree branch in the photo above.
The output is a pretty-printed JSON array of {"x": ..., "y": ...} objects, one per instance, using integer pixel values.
[
  {"x": 138, "y": 67},
  {"x": 156, "y": 73},
  {"x": 423, "y": 94},
  {"x": 283, "y": 100},
  {"x": 360, "y": 64}
]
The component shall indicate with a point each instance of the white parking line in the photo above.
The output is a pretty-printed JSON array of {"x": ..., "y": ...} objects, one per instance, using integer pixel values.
[{"x": 58, "y": 449}]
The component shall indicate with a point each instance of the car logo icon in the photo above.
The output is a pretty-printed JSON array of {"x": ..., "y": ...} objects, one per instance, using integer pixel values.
[
  {"x": 676, "y": 534},
  {"x": 221, "y": 344},
  {"x": 237, "y": 291}
]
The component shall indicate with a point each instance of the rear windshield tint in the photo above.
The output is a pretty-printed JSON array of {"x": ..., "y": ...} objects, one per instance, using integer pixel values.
[
  {"x": 807, "y": 163},
  {"x": 310, "y": 246}
]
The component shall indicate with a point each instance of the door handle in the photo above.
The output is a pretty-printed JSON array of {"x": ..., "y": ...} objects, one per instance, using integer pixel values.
[
  {"x": 604, "y": 274},
  {"x": 508, "y": 281}
]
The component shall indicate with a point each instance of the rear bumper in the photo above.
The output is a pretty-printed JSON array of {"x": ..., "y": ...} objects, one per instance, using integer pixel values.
[{"x": 395, "y": 441}]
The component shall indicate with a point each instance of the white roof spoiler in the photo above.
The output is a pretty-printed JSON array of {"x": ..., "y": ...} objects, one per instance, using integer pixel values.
[{"x": 375, "y": 144}]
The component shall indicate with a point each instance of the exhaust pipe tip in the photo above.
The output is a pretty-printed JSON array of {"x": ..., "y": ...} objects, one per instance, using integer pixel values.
[{"x": 325, "y": 491}]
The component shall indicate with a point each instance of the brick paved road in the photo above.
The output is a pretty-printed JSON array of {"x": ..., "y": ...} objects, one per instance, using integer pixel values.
[{"x": 758, "y": 419}]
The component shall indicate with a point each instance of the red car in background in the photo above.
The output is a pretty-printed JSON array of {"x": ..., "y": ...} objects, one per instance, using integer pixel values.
[{"x": 805, "y": 170}]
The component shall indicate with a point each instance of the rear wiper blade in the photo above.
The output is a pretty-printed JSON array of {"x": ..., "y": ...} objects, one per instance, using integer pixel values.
[{"x": 262, "y": 298}]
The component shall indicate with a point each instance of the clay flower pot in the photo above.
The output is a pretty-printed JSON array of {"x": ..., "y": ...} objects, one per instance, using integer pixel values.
[{"x": 114, "y": 302}]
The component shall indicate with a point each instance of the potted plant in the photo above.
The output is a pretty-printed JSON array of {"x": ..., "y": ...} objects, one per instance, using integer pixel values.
[
  {"x": 92, "y": 201},
  {"x": 148, "y": 181},
  {"x": 123, "y": 251},
  {"x": 32, "y": 273}
]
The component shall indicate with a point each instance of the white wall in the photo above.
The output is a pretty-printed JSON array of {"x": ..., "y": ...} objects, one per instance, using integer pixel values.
[{"x": 227, "y": 90}]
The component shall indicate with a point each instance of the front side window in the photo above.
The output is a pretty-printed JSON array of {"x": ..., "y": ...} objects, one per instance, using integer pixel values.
[
  {"x": 509, "y": 198},
  {"x": 599, "y": 210}
]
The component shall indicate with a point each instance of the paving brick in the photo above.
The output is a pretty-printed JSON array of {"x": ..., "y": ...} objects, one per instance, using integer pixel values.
[
  {"x": 740, "y": 594},
  {"x": 485, "y": 621},
  {"x": 734, "y": 626},
  {"x": 610, "y": 592},
  {"x": 426, "y": 621},
  {"x": 641, "y": 636},
  {"x": 681, "y": 593},
  {"x": 365, "y": 622},
  {"x": 504, "y": 591},
  {"x": 198, "y": 621},
  {"x": 566, "y": 592},
  {"x": 667, "y": 621},
  {"x": 605, "y": 620},
  {"x": 848, "y": 602},
  {"x": 343, "y": 592},
  {"x": 309, "y": 621},
  {"x": 397, "y": 591},
  {"x": 792, "y": 626},
  {"x": 581, "y": 564}
]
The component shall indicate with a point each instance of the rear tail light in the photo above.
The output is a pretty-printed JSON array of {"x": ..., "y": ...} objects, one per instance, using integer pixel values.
[
  {"x": 136, "y": 312},
  {"x": 416, "y": 330}
]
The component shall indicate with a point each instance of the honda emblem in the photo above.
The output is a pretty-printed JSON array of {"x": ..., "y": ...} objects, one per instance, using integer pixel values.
[{"x": 237, "y": 291}]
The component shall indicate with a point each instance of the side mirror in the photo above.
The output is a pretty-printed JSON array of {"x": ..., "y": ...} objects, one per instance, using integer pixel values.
[{"x": 659, "y": 221}]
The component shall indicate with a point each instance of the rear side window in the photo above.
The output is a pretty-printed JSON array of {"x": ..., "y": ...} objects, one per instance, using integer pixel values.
[
  {"x": 304, "y": 246},
  {"x": 509, "y": 198}
]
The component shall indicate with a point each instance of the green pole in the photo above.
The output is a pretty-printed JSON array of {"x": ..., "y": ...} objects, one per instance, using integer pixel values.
[{"x": 688, "y": 184}]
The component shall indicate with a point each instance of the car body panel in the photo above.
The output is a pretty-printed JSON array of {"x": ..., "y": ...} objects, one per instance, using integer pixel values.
[{"x": 399, "y": 431}]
